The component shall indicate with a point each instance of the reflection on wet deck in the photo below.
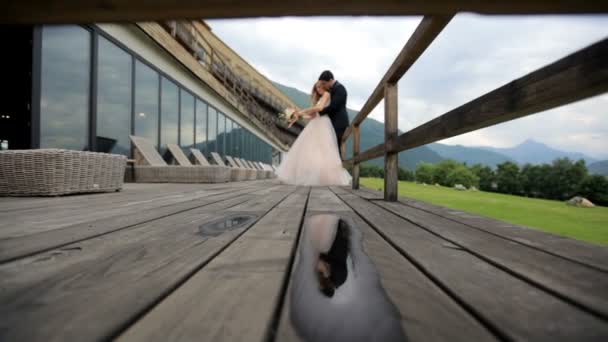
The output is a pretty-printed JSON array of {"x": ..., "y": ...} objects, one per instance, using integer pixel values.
[
  {"x": 261, "y": 261},
  {"x": 337, "y": 294}
]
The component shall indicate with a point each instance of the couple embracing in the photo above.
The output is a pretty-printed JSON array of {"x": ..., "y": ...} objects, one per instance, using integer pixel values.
[{"x": 314, "y": 158}]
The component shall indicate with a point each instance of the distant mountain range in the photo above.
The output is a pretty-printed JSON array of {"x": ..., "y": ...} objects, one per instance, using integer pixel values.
[
  {"x": 600, "y": 168},
  {"x": 530, "y": 151},
  {"x": 534, "y": 152}
]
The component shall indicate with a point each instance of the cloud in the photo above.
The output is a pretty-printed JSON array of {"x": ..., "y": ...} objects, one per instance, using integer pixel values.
[{"x": 474, "y": 55}]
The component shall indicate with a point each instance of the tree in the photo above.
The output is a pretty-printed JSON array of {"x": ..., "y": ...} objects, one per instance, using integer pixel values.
[
  {"x": 442, "y": 170},
  {"x": 405, "y": 175},
  {"x": 424, "y": 173},
  {"x": 461, "y": 175},
  {"x": 371, "y": 171},
  {"x": 564, "y": 178},
  {"x": 532, "y": 178},
  {"x": 595, "y": 189},
  {"x": 507, "y": 177},
  {"x": 485, "y": 175}
]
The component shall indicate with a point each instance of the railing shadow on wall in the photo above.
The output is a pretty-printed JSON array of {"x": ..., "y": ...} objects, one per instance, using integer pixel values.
[{"x": 580, "y": 75}]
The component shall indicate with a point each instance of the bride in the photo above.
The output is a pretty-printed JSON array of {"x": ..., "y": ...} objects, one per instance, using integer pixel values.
[{"x": 314, "y": 158}]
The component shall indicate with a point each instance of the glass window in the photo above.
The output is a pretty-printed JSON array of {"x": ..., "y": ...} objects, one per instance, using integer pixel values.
[
  {"x": 113, "y": 98},
  {"x": 146, "y": 102},
  {"x": 64, "y": 87},
  {"x": 237, "y": 141},
  {"x": 229, "y": 137},
  {"x": 245, "y": 150},
  {"x": 169, "y": 114},
  {"x": 186, "y": 121},
  {"x": 249, "y": 146},
  {"x": 221, "y": 133},
  {"x": 211, "y": 131},
  {"x": 201, "y": 125}
]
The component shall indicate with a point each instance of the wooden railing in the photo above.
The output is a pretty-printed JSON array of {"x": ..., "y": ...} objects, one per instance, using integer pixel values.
[
  {"x": 243, "y": 89},
  {"x": 575, "y": 77}
]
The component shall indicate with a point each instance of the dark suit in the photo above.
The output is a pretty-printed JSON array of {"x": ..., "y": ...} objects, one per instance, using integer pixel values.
[{"x": 336, "y": 110}]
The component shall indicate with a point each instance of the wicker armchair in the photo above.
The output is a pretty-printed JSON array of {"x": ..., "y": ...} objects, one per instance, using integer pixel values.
[{"x": 53, "y": 172}]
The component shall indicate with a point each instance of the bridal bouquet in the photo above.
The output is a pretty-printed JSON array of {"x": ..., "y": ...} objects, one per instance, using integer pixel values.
[
  {"x": 287, "y": 114},
  {"x": 288, "y": 117}
]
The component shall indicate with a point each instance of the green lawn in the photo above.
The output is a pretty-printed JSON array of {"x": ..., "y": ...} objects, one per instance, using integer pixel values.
[{"x": 588, "y": 224}]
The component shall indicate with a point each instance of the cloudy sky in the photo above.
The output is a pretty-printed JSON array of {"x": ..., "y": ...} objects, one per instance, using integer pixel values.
[{"x": 473, "y": 55}]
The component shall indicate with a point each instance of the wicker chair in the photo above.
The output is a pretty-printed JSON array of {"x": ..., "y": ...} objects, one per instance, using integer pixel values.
[
  {"x": 53, "y": 172},
  {"x": 236, "y": 173},
  {"x": 150, "y": 167}
]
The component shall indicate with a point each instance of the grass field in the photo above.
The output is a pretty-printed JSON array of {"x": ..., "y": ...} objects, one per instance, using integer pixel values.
[{"x": 588, "y": 224}]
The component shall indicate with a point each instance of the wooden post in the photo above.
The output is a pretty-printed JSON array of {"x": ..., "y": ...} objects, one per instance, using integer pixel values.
[
  {"x": 356, "y": 148},
  {"x": 391, "y": 158}
]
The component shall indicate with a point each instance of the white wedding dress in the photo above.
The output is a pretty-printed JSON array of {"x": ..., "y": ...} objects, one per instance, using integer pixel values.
[{"x": 314, "y": 158}]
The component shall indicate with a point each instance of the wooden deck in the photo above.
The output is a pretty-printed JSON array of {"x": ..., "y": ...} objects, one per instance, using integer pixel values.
[{"x": 140, "y": 265}]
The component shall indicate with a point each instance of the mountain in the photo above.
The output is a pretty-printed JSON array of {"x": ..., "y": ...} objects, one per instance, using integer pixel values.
[
  {"x": 469, "y": 155},
  {"x": 600, "y": 167},
  {"x": 534, "y": 152},
  {"x": 372, "y": 134}
]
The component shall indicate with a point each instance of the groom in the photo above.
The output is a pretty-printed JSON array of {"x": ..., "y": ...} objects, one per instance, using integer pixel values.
[{"x": 336, "y": 110}]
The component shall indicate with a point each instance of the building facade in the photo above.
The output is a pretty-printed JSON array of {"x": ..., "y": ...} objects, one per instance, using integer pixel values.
[{"x": 94, "y": 85}]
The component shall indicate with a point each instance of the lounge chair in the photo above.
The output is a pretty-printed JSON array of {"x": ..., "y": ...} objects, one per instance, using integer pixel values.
[
  {"x": 178, "y": 155},
  {"x": 259, "y": 175},
  {"x": 249, "y": 174},
  {"x": 236, "y": 174},
  {"x": 198, "y": 158},
  {"x": 268, "y": 174},
  {"x": 150, "y": 167}
]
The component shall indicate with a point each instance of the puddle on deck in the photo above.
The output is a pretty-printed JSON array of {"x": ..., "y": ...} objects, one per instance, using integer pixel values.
[
  {"x": 217, "y": 227},
  {"x": 336, "y": 291}
]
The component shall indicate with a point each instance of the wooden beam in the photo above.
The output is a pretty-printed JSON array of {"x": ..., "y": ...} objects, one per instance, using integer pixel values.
[
  {"x": 71, "y": 11},
  {"x": 575, "y": 77},
  {"x": 391, "y": 158},
  {"x": 356, "y": 149},
  {"x": 426, "y": 32},
  {"x": 578, "y": 76}
]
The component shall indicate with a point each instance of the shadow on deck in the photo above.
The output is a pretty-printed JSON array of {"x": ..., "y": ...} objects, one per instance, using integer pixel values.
[{"x": 162, "y": 262}]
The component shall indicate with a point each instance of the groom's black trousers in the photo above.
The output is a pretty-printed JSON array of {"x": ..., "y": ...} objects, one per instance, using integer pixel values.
[{"x": 339, "y": 136}]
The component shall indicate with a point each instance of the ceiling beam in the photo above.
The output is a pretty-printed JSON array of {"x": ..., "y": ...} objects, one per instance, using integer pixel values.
[{"x": 86, "y": 11}]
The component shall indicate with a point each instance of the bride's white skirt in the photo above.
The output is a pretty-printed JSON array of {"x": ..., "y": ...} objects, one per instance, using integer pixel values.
[{"x": 314, "y": 158}]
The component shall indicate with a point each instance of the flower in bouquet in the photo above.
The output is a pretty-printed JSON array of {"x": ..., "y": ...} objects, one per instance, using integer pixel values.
[{"x": 287, "y": 114}]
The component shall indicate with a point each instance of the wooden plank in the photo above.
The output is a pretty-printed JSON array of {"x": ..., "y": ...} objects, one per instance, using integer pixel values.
[
  {"x": 89, "y": 208},
  {"x": 420, "y": 302},
  {"x": 579, "y": 251},
  {"x": 18, "y": 247},
  {"x": 93, "y": 290},
  {"x": 391, "y": 130},
  {"x": 581, "y": 285},
  {"x": 65, "y": 11},
  {"x": 592, "y": 255},
  {"x": 12, "y": 205},
  {"x": 426, "y": 32},
  {"x": 235, "y": 296},
  {"x": 512, "y": 307},
  {"x": 323, "y": 200},
  {"x": 575, "y": 77},
  {"x": 356, "y": 150}
]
